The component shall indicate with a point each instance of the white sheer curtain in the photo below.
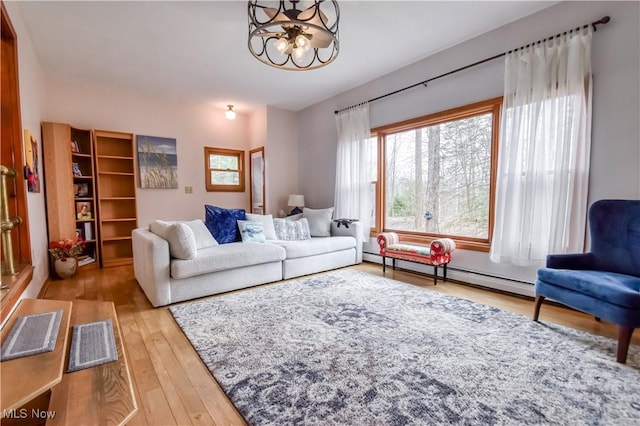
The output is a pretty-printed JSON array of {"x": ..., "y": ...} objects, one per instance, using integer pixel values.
[
  {"x": 353, "y": 164},
  {"x": 545, "y": 142}
]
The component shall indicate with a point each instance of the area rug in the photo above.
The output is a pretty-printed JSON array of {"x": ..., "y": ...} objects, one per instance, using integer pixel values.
[{"x": 352, "y": 348}]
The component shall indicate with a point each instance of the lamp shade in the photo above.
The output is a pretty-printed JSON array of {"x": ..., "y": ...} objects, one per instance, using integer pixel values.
[{"x": 296, "y": 200}]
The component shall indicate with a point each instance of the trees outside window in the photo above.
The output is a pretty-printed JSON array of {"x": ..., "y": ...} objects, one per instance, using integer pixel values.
[{"x": 438, "y": 175}]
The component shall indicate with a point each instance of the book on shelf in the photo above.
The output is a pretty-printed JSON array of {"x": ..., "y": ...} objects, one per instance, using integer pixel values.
[
  {"x": 88, "y": 231},
  {"x": 85, "y": 260}
]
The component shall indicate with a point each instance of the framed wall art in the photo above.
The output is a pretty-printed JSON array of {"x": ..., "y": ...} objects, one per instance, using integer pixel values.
[{"x": 157, "y": 162}]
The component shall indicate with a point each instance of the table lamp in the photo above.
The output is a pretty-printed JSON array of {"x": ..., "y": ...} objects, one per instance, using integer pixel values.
[{"x": 297, "y": 202}]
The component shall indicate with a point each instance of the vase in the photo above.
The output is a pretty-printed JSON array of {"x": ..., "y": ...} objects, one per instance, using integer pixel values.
[{"x": 66, "y": 267}]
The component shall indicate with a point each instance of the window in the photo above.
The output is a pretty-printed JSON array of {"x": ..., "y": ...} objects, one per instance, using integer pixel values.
[
  {"x": 437, "y": 175},
  {"x": 224, "y": 169}
]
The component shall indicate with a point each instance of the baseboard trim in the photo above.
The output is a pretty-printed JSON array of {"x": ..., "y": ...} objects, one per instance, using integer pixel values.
[{"x": 506, "y": 285}]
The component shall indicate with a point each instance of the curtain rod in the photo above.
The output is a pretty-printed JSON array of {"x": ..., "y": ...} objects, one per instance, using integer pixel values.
[{"x": 594, "y": 24}]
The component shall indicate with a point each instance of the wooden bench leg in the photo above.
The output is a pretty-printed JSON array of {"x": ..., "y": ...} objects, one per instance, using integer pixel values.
[
  {"x": 435, "y": 275},
  {"x": 384, "y": 264},
  {"x": 445, "y": 273},
  {"x": 393, "y": 263}
]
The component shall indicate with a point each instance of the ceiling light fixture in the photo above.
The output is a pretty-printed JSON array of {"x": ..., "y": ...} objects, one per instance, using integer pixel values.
[
  {"x": 294, "y": 39},
  {"x": 230, "y": 114}
]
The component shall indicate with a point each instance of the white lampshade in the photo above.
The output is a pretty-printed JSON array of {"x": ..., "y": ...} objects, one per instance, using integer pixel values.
[{"x": 296, "y": 200}]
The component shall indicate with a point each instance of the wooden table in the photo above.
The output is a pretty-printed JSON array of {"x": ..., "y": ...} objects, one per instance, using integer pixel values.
[
  {"x": 24, "y": 379},
  {"x": 101, "y": 395}
]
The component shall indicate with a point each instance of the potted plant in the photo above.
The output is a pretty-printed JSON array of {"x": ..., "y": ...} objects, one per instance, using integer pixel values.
[{"x": 65, "y": 253}]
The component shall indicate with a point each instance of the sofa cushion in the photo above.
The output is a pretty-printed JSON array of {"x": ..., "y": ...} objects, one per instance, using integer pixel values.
[
  {"x": 226, "y": 256},
  {"x": 182, "y": 242},
  {"x": 315, "y": 246},
  {"x": 292, "y": 230},
  {"x": 204, "y": 239},
  {"x": 319, "y": 221},
  {"x": 222, "y": 223},
  {"x": 251, "y": 232},
  {"x": 619, "y": 289},
  {"x": 267, "y": 224}
]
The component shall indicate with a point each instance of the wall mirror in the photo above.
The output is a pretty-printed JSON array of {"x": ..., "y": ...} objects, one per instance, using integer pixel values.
[{"x": 256, "y": 176}]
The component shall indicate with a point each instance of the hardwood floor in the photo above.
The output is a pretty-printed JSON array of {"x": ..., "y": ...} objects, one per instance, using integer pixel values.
[{"x": 171, "y": 383}]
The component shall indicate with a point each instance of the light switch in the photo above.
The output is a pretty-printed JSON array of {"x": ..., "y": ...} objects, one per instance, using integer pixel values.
[{"x": 188, "y": 189}]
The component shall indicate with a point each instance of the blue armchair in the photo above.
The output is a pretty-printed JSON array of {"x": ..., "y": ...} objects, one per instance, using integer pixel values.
[{"x": 606, "y": 281}]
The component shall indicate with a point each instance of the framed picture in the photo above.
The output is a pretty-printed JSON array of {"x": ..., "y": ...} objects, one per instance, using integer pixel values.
[
  {"x": 76, "y": 169},
  {"x": 83, "y": 190},
  {"x": 83, "y": 210},
  {"x": 79, "y": 233},
  {"x": 157, "y": 162},
  {"x": 31, "y": 160},
  {"x": 74, "y": 146}
]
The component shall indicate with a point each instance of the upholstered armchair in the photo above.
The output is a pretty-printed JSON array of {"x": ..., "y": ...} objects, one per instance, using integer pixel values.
[{"x": 606, "y": 281}]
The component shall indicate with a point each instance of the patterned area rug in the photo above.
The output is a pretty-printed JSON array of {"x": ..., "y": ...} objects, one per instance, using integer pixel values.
[{"x": 349, "y": 347}]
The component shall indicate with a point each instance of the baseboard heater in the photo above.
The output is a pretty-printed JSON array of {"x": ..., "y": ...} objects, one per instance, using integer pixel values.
[{"x": 475, "y": 278}]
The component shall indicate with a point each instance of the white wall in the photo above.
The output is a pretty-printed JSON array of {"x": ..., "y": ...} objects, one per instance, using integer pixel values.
[
  {"x": 615, "y": 161},
  {"x": 194, "y": 126},
  {"x": 31, "y": 83},
  {"x": 281, "y": 155}
]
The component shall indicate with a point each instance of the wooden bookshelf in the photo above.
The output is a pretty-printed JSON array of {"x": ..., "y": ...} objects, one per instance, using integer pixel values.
[
  {"x": 116, "y": 188},
  {"x": 69, "y": 171}
]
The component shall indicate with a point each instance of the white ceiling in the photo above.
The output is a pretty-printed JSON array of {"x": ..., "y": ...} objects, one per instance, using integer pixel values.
[{"x": 198, "y": 50}]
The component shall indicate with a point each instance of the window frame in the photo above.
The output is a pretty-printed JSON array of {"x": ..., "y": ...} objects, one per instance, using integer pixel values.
[
  {"x": 493, "y": 106},
  {"x": 225, "y": 152}
]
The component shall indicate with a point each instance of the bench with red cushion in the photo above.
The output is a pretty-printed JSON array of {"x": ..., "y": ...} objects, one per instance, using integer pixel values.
[{"x": 436, "y": 254}]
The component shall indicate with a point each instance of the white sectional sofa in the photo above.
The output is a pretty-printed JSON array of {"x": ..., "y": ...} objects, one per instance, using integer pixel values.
[{"x": 225, "y": 267}]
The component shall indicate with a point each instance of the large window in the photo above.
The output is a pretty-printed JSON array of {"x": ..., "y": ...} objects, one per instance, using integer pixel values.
[
  {"x": 437, "y": 175},
  {"x": 224, "y": 169}
]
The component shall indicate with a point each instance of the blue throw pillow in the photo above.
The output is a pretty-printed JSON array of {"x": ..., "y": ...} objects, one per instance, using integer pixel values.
[{"x": 222, "y": 223}]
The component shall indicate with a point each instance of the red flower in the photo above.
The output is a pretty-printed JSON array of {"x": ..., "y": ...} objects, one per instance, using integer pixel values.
[{"x": 66, "y": 248}]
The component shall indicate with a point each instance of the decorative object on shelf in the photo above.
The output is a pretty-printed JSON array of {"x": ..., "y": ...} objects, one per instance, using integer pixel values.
[
  {"x": 74, "y": 146},
  {"x": 230, "y": 114},
  {"x": 64, "y": 252},
  {"x": 83, "y": 190},
  {"x": 297, "y": 202},
  {"x": 76, "y": 169},
  {"x": 31, "y": 160},
  {"x": 293, "y": 39},
  {"x": 83, "y": 210},
  {"x": 157, "y": 162}
]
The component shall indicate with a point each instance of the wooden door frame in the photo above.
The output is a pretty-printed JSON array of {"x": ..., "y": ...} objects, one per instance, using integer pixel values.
[{"x": 12, "y": 147}]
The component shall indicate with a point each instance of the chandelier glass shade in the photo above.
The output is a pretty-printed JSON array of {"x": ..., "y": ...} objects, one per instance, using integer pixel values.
[{"x": 302, "y": 36}]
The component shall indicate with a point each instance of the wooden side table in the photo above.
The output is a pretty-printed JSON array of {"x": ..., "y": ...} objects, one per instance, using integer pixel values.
[
  {"x": 24, "y": 379},
  {"x": 36, "y": 388},
  {"x": 101, "y": 395}
]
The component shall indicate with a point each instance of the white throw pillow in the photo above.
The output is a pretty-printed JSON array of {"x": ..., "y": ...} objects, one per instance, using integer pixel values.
[
  {"x": 292, "y": 230},
  {"x": 294, "y": 217},
  {"x": 319, "y": 221},
  {"x": 182, "y": 242},
  {"x": 204, "y": 239},
  {"x": 267, "y": 224},
  {"x": 251, "y": 231}
]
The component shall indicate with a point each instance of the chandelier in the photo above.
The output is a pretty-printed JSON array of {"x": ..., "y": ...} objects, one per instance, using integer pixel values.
[{"x": 302, "y": 37}]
